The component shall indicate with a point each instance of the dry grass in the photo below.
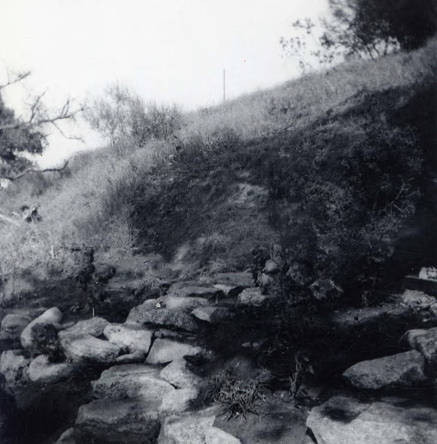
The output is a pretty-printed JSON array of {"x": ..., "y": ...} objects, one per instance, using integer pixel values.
[{"x": 94, "y": 204}]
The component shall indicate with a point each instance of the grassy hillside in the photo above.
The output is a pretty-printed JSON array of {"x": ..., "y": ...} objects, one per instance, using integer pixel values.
[{"x": 337, "y": 147}]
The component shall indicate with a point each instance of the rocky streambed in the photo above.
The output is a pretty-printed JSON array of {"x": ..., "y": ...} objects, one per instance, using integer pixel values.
[{"x": 94, "y": 380}]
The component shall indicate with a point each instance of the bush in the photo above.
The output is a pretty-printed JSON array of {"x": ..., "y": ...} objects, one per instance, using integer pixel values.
[
  {"x": 236, "y": 396},
  {"x": 126, "y": 120}
]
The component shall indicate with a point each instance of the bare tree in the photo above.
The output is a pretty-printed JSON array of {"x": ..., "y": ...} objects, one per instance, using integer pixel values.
[{"x": 28, "y": 134}]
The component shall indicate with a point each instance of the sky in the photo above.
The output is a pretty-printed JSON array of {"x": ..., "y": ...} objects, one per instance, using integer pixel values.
[{"x": 168, "y": 51}]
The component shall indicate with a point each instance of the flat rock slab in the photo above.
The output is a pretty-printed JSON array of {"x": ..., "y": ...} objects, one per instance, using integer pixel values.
[
  {"x": 151, "y": 313},
  {"x": 164, "y": 351},
  {"x": 93, "y": 326},
  {"x": 237, "y": 279},
  {"x": 132, "y": 381},
  {"x": 182, "y": 303},
  {"x": 88, "y": 349},
  {"x": 42, "y": 371},
  {"x": 177, "y": 374},
  {"x": 400, "y": 370},
  {"x": 276, "y": 422},
  {"x": 194, "y": 291},
  {"x": 212, "y": 314},
  {"x": 122, "y": 421},
  {"x": 345, "y": 420},
  {"x": 194, "y": 428},
  {"x": 132, "y": 338}
]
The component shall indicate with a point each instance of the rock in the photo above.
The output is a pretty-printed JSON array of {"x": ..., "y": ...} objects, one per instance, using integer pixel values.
[
  {"x": 164, "y": 351},
  {"x": 177, "y": 401},
  {"x": 118, "y": 421},
  {"x": 194, "y": 428},
  {"x": 410, "y": 337},
  {"x": 93, "y": 326},
  {"x": 237, "y": 279},
  {"x": 428, "y": 273},
  {"x": 252, "y": 297},
  {"x": 67, "y": 437},
  {"x": 271, "y": 267},
  {"x": 131, "y": 358},
  {"x": 345, "y": 420},
  {"x": 134, "y": 339},
  {"x": 52, "y": 316},
  {"x": 42, "y": 371},
  {"x": 212, "y": 314},
  {"x": 400, "y": 370},
  {"x": 194, "y": 291},
  {"x": 325, "y": 289},
  {"x": 88, "y": 349},
  {"x": 152, "y": 313},
  {"x": 264, "y": 280},
  {"x": 229, "y": 291},
  {"x": 426, "y": 344},
  {"x": 132, "y": 381},
  {"x": 414, "y": 298},
  {"x": 14, "y": 366},
  {"x": 13, "y": 324},
  {"x": 177, "y": 374},
  {"x": 183, "y": 303}
]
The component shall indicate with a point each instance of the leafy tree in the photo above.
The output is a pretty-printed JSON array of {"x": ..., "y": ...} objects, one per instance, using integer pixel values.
[{"x": 362, "y": 28}]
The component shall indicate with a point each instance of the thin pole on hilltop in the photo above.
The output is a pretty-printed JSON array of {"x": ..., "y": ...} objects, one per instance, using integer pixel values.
[{"x": 224, "y": 85}]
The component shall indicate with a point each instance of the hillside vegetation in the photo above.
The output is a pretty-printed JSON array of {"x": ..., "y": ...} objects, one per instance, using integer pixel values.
[{"x": 330, "y": 166}]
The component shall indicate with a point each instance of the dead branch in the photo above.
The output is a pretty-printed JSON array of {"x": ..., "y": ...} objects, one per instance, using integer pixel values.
[
  {"x": 18, "y": 78},
  {"x": 65, "y": 113},
  {"x": 35, "y": 170}
]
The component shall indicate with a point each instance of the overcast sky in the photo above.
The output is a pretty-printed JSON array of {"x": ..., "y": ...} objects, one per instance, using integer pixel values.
[{"x": 170, "y": 51}]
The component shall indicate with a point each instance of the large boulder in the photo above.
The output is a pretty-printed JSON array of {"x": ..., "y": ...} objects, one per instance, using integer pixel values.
[
  {"x": 118, "y": 421},
  {"x": 85, "y": 349},
  {"x": 67, "y": 437},
  {"x": 42, "y": 371},
  {"x": 134, "y": 339},
  {"x": 164, "y": 351},
  {"x": 400, "y": 370},
  {"x": 178, "y": 375},
  {"x": 346, "y": 420},
  {"x": 132, "y": 381},
  {"x": 152, "y": 313},
  {"x": 177, "y": 401},
  {"x": 52, "y": 316},
  {"x": 194, "y": 428}
]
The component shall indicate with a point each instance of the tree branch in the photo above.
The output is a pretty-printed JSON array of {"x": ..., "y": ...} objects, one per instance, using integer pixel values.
[
  {"x": 35, "y": 170},
  {"x": 18, "y": 78}
]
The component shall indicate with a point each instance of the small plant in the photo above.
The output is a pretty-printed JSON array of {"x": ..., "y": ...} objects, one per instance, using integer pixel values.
[
  {"x": 45, "y": 338},
  {"x": 237, "y": 396}
]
